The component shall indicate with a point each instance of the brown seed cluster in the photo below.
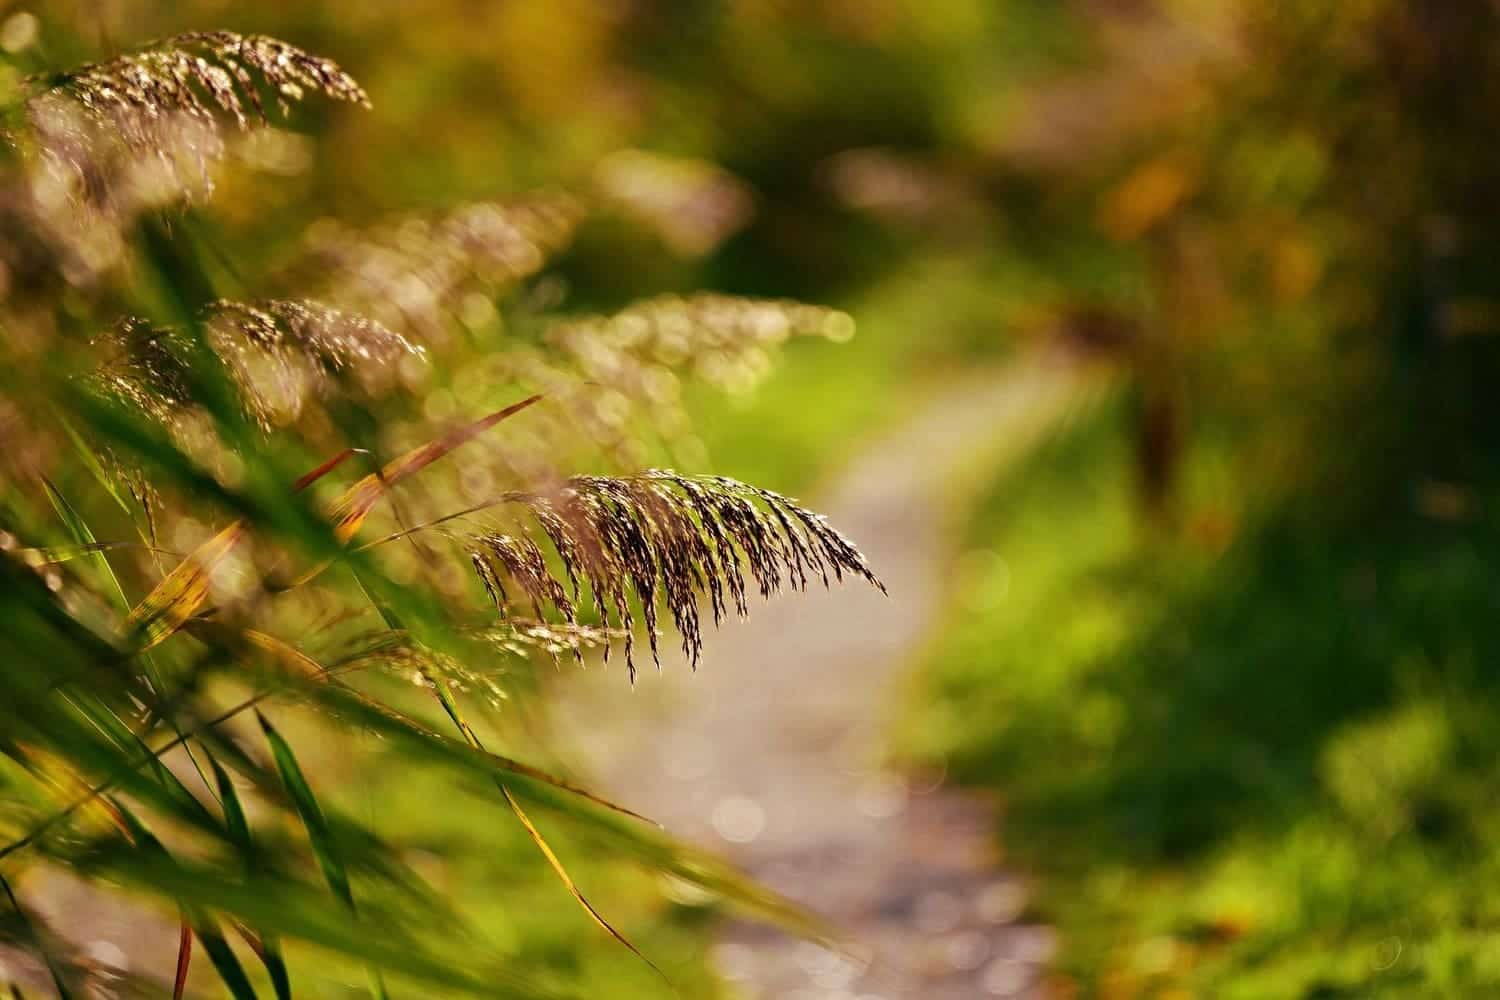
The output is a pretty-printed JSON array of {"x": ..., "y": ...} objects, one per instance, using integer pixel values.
[
  {"x": 200, "y": 75},
  {"x": 613, "y": 373},
  {"x": 117, "y": 138},
  {"x": 661, "y": 534},
  {"x": 693, "y": 205},
  {"x": 279, "y": 353},
  {"x": 410, "y": 273}
]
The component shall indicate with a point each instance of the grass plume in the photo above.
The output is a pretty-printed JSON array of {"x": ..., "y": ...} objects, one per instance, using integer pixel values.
[{"x": 661, "y": 535}]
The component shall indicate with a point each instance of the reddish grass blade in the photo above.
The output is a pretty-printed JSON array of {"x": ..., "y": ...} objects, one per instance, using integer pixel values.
[
  {"x": 182, "y": 592},
  {"x": 308, "y": 478},
  {"x": 360, "y": 499},
  {"x": 184, "y": 959}
]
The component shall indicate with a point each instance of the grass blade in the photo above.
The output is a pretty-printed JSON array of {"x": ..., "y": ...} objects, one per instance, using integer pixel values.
[
  {"x": 195, "y": 920},
  {"x": 184, "y": 959},
  {"x": 224, "y": 960},
  {"x": 308, "y": 478},
  {"x": 357, "y": 502},
  {"x": 572, "y": 887},
  {"x": 450, "y": 705},
  {"x": 269, "y": 952},
  {"x": 234, "y": 811},
  {"x": 107, "y": 722},
  {"x": 92, "y": 463},
  {"x": 445, "y": 697},
  {"x": 262, "y": 943},
  {"x": 307, "y": 913},
  {"x": 317, "y": 827},
  {"x": 53, "y": 555},
  {"x": 84, "y": 535},
  {"x": 181, "y": 592},
  {"x": 85, "y": 538},
  {"x": 310, "y": 812}
]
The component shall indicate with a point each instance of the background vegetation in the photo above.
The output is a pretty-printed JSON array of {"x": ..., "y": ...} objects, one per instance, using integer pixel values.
[{"x": 1222, "y": 643}]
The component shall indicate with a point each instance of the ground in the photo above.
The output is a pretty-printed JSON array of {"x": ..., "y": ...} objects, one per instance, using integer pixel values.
[{"x": 775, "y": 750}]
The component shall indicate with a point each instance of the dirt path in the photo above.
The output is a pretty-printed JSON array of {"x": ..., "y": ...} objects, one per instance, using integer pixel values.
[{"x": 772, "y": 751}]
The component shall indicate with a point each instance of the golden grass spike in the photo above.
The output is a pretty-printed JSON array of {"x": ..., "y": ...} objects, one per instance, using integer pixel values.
[{"x": 197, "y": 75}]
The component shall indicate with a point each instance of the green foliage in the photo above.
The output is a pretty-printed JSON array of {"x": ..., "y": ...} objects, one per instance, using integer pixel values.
[
  {"x": 1223, "y": 645},
  {"x": 1252, "y": 761},
  {"x": 186, "y": 426}
]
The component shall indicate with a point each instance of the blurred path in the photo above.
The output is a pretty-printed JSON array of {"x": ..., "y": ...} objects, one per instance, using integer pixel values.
[{"x": 771, "y": 752}]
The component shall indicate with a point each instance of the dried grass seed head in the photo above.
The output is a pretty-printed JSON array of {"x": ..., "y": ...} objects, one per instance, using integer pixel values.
[
  {"x": 279, "y": 352},
  {"x": 661, "y": 533},
  {"x": 411, "y": 272},
  {"x": 117, "y": 138},
  {"x": 609, "y": 375}
]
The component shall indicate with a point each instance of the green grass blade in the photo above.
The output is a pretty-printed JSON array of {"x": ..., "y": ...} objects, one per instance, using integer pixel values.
[
  {"x": 265, "y": 944},
  {"x": 300, "y": 910},
  {"x": 268, "y": 950},
  {"x": 95, "y": 467},
  {"x": 224, "y": 960},
  {"x": 318, "y": 833},
  {"x": 234, "y": 811},
  {"x": 126, "y": 739},
  {"x": 310, "y": 811},
  {"x": 84, "y": 536}
]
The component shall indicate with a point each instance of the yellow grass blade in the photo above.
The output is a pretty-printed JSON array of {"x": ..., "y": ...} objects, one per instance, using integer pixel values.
[
  {"x": 567, "y": 880},
  {"x": 181, "y": 592}
]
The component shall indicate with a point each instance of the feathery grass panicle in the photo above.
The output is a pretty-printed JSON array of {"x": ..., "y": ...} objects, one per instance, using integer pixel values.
[
  {"x": 516, "y": 639},
  {"x": 725, "y": 340},
  {"x": 199, "y": 75},
  {"x": 660, "y": 533},
  {"x": 280, "y": 353},
  {"x": 415, "y": 274},
  {"x": 114, "y": 139},
  {"x": 612, "y": 374},
  {"x": 693, "y": 205}
]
